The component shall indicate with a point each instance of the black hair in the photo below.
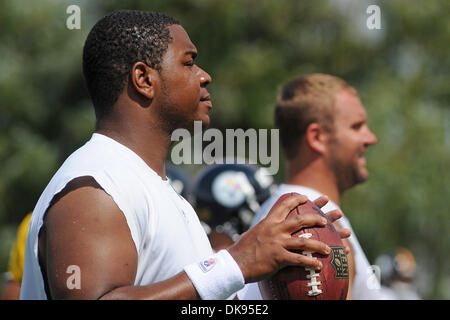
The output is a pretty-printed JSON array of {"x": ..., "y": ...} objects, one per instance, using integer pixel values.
[{"x": 115, "y": 44}]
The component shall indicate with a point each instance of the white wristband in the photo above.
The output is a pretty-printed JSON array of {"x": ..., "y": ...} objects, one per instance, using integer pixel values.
[{"x": 216, "y": 277}]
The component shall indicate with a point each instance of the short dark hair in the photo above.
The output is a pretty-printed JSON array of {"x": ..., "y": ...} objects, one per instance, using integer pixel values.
[
  {"x": 115, "y": 44},
  {"x": 303, "y": 101}
]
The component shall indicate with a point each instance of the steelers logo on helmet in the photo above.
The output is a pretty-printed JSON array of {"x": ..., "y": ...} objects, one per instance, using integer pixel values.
[
  {"x": 230, "y": 187},
  {"x": 226, "y": 196}
]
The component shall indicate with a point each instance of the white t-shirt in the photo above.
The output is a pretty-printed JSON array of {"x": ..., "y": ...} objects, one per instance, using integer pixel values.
[
  {"x": 165, "y": 228},
  {"x": 365, "y": 286}
]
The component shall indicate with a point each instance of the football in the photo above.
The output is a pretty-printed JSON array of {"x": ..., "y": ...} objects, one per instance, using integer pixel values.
[{"x": 299, "y": 283}]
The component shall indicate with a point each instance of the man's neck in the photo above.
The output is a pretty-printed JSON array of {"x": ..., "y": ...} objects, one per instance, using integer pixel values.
[
  {"x": 151, "y": 144},
  {"x": 317, "y": 179}
]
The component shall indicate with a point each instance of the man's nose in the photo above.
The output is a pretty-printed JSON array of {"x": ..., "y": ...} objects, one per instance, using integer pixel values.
[
  {"x": 371, "y": 138},
  {"x": 204, "y": 76}
]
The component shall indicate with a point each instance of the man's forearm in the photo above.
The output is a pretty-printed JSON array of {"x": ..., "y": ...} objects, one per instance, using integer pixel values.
[{"x": 178, "y": 287}]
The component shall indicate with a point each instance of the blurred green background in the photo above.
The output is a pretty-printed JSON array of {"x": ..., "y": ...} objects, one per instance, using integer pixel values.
[{"x": 251, "y": 48}]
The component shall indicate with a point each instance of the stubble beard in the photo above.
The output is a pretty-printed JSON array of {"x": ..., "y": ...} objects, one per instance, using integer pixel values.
[
  {"x": 347, "y": 174},
  {"x": 171, "y": 116}
]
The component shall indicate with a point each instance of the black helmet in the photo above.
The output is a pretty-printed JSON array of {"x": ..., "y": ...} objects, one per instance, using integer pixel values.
[
  {"x": 179, "y": 180},
  {"x": 227, "y": 196},
  {"x": 395, "y": 265}
]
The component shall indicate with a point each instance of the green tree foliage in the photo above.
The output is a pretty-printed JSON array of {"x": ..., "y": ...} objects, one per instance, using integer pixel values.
[{"x": 251, "y": 48}]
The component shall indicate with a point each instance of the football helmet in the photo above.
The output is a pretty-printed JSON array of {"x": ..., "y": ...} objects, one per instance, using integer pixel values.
[{"x": 227, "y": 196}]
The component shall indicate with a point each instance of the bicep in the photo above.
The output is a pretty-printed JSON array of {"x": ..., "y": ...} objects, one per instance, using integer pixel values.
[{"x": 89, "y": 250}]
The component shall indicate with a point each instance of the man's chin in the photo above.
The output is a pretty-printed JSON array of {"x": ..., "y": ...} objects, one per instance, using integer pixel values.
[
  {"x": 205, "y": 122},
  {"x": 194, "y": 126},
  {"x": 362, "y": 176}
]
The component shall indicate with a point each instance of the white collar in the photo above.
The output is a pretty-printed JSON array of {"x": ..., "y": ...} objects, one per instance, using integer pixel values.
[{"x": 311, "y": 193}]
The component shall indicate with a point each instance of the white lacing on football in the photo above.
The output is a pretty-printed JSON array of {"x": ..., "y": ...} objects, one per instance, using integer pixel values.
[{"x": 313, "y": 275}]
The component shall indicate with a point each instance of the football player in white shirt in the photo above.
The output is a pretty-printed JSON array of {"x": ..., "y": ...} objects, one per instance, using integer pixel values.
[
  {"x": 109, "y": 225},
  {"x": 324, "y": 134}
]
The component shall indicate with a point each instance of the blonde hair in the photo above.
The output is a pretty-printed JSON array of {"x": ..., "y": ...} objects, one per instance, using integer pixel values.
[{"x": 303, "y": 101}]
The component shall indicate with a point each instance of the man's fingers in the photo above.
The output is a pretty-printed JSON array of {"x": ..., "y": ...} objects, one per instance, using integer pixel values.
[
  {"x": 301, "y": 260},
  {"x": 321, "y": 201},
  {"x": 333, "y": 215},
  {"x": 309, "y": 245},
  {"x": 285, "y": 204},
  {"x": 344, "y": 233},
  {"x": 306, "y": 220},
  {"x": 348, "y": 249}
]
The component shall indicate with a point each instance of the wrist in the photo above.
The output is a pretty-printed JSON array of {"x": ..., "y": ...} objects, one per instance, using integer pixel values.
[{"x": 216, "y": 277}]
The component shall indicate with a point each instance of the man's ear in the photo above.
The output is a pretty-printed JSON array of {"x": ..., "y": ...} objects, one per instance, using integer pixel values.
[
  {"x": 317, "y": 137},
  {"x": 143, "y": 79}
]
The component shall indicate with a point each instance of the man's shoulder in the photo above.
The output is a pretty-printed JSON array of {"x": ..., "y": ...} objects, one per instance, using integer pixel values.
[{"x": 103, "y": 155}]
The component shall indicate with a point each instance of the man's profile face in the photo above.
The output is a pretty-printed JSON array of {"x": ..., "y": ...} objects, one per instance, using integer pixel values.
[
  {"x": 349, "y": 141},
  {"x": 183, "y": 97}
]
